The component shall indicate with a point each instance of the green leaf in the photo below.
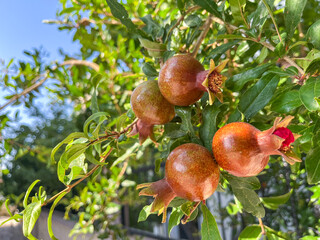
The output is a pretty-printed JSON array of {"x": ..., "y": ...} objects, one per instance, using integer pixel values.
[
  {"x": 286, "y": 102},
  {"x": 258, "y": 96},
  {"x": 274, "y": 202},
  {"x": 154, "y": 49},
  {"x": 51, "y": 212},
  {"x": 236, "y": 82},
  {"x": 308, "y": 92},
  {"x": 66, "y": 140},
  {"x": 30, "y": 216},
  {"x": 243, "y": 189},
  {"x": 232, "y": 36},
  {"x": 118, "y": 11},
  {"x": 314, "y": 67},
  {"x": 185, "y": 114},
  {"x": 209, "y": 227},
  {"x": 280, "y": 49},
  {"x": 236, "y": 10},
  {"x": 292, "y": 15},
  {"x": 6, "y": 204},
  {"x": 72, "y": 153},
  {"x": 25, "y": 200},
  {"x": 313, "y": 166},
  {"x": 193, "y": 20},
  {"x": 313, "y": 35},
  {"x": 174, "y": 219},
  {"x": 149, "y": 70},
  {"x": 209, "y": 5},
  {"x": 209, "y": 124},
  {"x": 259, "y": 16},
  {"x": 144, "y": 213},
  {"x": 90, "y": 119},
  {"x": 222, "y": 49},
  {"x": 15, "y": 217},
  {"x": 252, "y": 232}
]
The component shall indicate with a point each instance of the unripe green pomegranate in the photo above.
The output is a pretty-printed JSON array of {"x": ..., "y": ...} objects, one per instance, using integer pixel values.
[
  {"x": 190, "y": 173},
  {"x": 183, "y": 80},
  {"x": 151, "y": 108},
  {"x": 243, "y": 150}
]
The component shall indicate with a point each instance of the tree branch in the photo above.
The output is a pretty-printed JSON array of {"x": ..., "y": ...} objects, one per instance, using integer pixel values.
[
  {"x": 267, "y": 45},
  {"x": 27, "y": 90},
  {"x": 69, "y": 187},
  {"x": 45, "y": 76},
  {"x": 92, "y": 65},
  {"x": 206, "y": 28}
]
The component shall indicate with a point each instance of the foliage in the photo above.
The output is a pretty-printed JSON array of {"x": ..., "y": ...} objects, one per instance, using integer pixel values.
[{"x": 273, "y": 70}]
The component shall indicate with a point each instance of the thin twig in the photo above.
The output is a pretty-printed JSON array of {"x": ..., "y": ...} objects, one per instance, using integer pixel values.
[
  {"x": 262, "y": 227},
  {"x": 45, "y": 76},
  {"x": 92, "y": 65},
  {"x": 206, "y": 28},
  {"x": 27, "y": 90},
  {"x": 242, "y": 16},
  {"x": 182, "y": 18},
  {"x": 114, "y": 134},
  {"x": 69, "y": 187},
  {"x": 267, "y": 45},
  {"x": 273, "y": 20}
]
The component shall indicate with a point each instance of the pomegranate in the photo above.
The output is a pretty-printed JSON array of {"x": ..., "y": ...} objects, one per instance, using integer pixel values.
[
  {"x": 244, "y": 151},
  {"x": 183, "y": 80},
  {"x": 151, "y": 108},
  {"x": 190, "y": 173}
]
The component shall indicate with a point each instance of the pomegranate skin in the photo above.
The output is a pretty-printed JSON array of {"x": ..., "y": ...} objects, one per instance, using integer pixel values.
[
  {"x": 191, "y": 172},
  {"x": 237, "y": 150},
  {"x": 149, "y": 105},
  {"x": 178, "y": 80}
]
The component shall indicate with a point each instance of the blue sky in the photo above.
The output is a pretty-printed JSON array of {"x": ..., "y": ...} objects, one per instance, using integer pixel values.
[{"x": 21, "y": 28}]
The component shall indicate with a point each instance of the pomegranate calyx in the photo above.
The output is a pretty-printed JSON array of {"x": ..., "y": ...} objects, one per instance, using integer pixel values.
[
  {"x": 144, "y": 130},
  {"x": 162, "y": 193},
  {"x": 214, "y": 81}
]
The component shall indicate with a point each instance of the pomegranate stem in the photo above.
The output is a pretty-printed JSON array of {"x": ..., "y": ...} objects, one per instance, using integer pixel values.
[
  {"x": 262, "y": 227},
  {"x": 186, "y": 217}
]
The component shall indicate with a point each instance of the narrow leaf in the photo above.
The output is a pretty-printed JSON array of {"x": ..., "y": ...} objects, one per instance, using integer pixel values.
[
  {"x": 243, "y": 189},
  {"x": 174, "y": 219},
  {"x": 209, "y": 124},
  {"x": 208, "y": 5},
  {"x": 25, "y": 200},
  {"x": 50, "y": 215},
  {"x": 66, "y": 140},
  {"x": 313, "y": 166},
  {"x": 30, "y": 216},
  {"x": 236, "y": 82},
  {"x": 274, "y": 202},
  {"x": 286, "y": 102},
  {"x": 258, "y": 96},
  {"x": 308, "y": 92},
  {"x": 118, "y": 11},
  {"x": 292, "y": 15},
  {"x": 209, "y": 227},
  {"x": 313, "y": 35}
]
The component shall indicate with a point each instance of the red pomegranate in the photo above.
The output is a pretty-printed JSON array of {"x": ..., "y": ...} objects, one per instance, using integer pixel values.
[
  {"x": 244, "y": 151},
  {"x": 190, "y": 173},
  {"x": 151, "y": 108},
  {"x": 183, "y": 80}
]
